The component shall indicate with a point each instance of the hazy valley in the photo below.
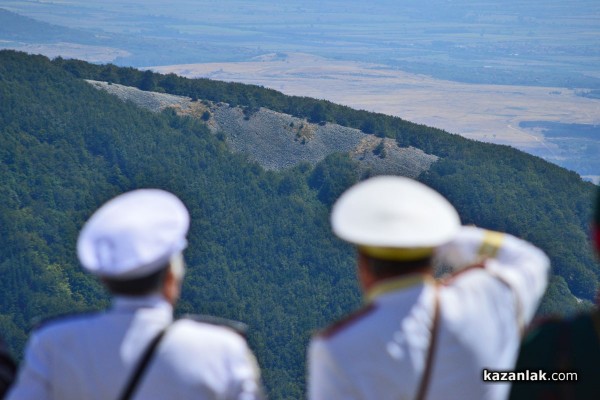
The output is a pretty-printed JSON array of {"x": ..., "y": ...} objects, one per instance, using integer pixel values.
[
  {"x": 491, "y": 113},
  {"x": 502, "y": 74}
]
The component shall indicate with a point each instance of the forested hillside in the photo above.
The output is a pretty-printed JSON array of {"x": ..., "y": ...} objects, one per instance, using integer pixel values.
[
  {"x": 494, "y": 186},
  {"x": 260, "y": 247}
]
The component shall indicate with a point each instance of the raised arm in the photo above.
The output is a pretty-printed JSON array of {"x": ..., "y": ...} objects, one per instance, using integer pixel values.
[{"x": 519, "y": 264}]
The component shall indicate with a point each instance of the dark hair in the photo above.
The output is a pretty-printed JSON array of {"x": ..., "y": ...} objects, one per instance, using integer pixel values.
[
  {"x": 138, "y": 286},
  {"x": 382, "y": 269}
]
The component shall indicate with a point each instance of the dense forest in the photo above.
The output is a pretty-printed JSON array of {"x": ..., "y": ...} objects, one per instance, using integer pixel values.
[
  {"x": 495, "y": 186},
  {"x": 261, "y": 250}
]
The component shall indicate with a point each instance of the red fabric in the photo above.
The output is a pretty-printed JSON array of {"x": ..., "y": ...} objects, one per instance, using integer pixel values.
[
  {"x": 596, "y": 224},
  {"x": 596, "y": 236}
]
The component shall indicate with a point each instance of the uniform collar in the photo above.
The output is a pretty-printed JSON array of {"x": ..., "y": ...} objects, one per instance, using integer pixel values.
[
  {"x": 132, "y": 303},
  {"x": 396, "y": 284}
]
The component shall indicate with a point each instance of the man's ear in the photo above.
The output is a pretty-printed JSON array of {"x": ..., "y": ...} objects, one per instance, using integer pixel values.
[{"x": 172, "y": 285}]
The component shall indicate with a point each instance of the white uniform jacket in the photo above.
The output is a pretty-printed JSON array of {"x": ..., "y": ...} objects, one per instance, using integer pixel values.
[
  {"x": 92, "y": 356},
  {"x": 379, "y": 352}
]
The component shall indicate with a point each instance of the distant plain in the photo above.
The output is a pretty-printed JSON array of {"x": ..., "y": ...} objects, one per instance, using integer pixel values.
[
  {"x": 483, "y": 69},
  {"x": 499, "y": 114}
]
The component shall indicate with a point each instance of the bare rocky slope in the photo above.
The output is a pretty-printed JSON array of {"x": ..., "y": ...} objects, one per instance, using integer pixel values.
[{"x": 277, "y": 141}]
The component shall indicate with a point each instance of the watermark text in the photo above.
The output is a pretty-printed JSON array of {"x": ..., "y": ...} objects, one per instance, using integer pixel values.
[{"x": 528, "y": 375}]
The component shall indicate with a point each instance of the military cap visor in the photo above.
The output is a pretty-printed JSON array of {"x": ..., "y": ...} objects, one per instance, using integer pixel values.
[
  {"x": 134, "y": 234},
  {"x": 395, "y": 217}
]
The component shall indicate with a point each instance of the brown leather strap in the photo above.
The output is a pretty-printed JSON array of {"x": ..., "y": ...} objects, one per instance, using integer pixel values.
[{"x": 424, "y": 385}]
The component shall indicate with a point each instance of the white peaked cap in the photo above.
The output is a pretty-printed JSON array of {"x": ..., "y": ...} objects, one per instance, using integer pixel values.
[
  {"x": 394, "y": 212},
  {"x": 134, "y": 234}
]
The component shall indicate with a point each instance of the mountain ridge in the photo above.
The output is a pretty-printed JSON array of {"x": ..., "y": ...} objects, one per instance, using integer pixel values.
[
  {"x": 473, "y": 175},
  {"x": 276, "y": 140}
]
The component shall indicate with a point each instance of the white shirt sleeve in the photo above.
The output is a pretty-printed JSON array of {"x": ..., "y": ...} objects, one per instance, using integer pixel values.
[
  {"x": 33, "y": 379},
  {"x": 525, "y": 269},
  {"x": 325, "y": 378},
  {"x": 246, "y": 383},
  {"x": 519, "y": 264}
]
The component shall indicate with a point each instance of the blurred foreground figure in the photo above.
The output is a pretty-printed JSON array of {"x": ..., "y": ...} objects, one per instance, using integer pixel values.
[
  {"x": 417, "y": 338},
  {"x": 134, "y": 244},
  {"x": 564, "y": 346},
  {"x": 8, "y": 369}
]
